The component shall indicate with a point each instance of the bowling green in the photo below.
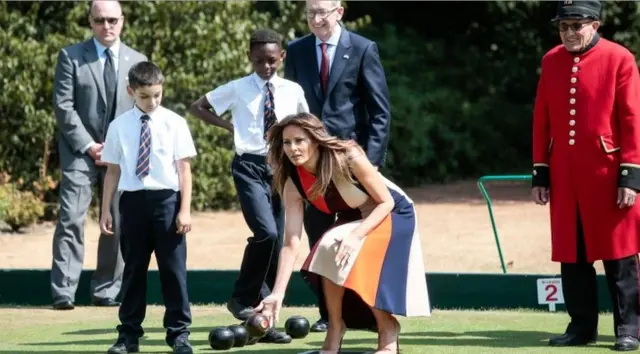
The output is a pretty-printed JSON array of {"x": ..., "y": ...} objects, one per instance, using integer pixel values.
[{"x": 92, "y": 330}]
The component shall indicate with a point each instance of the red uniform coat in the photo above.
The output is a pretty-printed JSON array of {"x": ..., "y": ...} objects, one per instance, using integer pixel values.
[{"x": 586, "y": 143}]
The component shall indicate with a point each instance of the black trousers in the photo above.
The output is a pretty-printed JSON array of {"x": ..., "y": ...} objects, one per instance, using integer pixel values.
[
  {"x": 316, "y": 223},
  {"x": 264, "y": 214},
  {"x": 581, "y": 294},
  {"x": 148, "y": 220}
]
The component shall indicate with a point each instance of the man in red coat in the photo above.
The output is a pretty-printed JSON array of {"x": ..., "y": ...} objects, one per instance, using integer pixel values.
[{"x": 586, "y": 157}]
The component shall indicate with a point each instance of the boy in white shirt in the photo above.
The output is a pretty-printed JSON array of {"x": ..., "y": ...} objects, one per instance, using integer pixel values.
[
  {"x": 256, "y": 102},
  {"x": 147, "y": 150}
]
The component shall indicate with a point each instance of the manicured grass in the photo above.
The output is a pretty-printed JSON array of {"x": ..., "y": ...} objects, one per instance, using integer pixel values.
[{"x": 92, "y": 330}]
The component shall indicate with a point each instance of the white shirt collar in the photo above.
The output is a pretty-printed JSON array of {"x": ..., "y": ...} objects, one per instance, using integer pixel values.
[
  {"x": 138, "y": 113},
  {"x": 275, "y": 79},
  {"x": 115, "y": 48},
  {"x": 335, "y": 37}
]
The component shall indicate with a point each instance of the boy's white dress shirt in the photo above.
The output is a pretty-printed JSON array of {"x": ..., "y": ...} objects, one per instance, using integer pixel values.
[
  {"x": 245, "y": 98},
  {"x": 170, "y": 141}
]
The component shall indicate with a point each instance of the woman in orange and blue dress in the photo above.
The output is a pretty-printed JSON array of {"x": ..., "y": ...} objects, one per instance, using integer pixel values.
[{"x": 369, "y": 265}]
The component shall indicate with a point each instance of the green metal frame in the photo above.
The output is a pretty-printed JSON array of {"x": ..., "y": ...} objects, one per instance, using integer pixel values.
[{"x": 485, "y": 194}]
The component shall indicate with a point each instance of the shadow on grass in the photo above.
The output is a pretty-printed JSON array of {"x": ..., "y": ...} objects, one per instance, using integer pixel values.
[
  {"x": 199, "y": 350},
  {"x": 199, "y": 344},
  {"x": 281, "y": 349},
  {"x": 490, "y": 339},
  {"x": 101, "y": 331},
  {"x": 65, "y": 351}
]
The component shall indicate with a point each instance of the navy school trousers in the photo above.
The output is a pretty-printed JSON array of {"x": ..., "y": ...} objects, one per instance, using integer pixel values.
[
  {"x": 264, "y": 214},
  {"x": 148, "y": 221}
]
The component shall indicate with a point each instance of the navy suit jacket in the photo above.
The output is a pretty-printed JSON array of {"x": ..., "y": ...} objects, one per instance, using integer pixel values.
[{"x": 357, "y": 102}]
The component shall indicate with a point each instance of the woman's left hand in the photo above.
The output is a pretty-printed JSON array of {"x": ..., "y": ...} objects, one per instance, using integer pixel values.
[{"x": 346, "y": 248}]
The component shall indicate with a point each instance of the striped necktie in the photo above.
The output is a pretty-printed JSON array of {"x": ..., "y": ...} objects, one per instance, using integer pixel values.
[
  {"x": 269, "y": 110},
  {"x": 142, "y": 167}
]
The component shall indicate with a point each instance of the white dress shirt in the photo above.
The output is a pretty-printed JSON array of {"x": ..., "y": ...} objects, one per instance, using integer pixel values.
[
  {"x": 331, "y": 48},
  {"x": 115, "y": 52},
  {"x": 245, "y": 98},
  {"x": 170, "y": 141}
]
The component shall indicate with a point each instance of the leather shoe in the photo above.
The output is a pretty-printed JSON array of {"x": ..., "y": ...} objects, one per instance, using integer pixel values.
[
  {"x": 63, "y": 303},
  {"x": 106, "y": 303},
  {"x": 239, "y": 311},
  {"x": 571, "y": 339},
  {"x": 123, "y": 346},
  {"x": 626, "y": 343},
  {"x": 274, "y": 336},
  {"x": 182, "y": 346},
  {"x": 320, "y": 326}
]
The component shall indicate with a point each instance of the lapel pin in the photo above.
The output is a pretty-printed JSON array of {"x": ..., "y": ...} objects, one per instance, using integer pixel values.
[
  {"x": 126, "y": 58},
  {"x": 346, "y": 56}
]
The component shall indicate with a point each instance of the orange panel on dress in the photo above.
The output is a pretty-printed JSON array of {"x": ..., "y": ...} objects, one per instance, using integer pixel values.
[{"x": 365, "y": 274}]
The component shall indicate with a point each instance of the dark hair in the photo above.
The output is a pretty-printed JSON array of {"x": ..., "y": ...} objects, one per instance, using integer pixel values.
[
  {"x": 265, "y": 36},
  {"x": 145, "y": 73},
  {"x": 333, "y": 162}
]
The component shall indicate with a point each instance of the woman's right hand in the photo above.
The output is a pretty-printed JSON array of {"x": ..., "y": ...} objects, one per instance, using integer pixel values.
[{"x": 270, "y": 308}]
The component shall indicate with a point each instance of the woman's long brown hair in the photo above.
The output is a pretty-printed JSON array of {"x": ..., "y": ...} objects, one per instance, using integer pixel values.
[{"x": 332, "y": 159}]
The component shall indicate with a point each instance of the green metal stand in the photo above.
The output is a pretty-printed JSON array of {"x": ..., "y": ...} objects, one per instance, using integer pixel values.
[{"x": 483, "y": 190}]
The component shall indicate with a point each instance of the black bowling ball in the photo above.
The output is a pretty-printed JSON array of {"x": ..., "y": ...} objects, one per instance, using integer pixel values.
[
  {"x": 221, "y": 338},
  {"x": 241, "y": 336},
  {"x": 297, "y": 327}
]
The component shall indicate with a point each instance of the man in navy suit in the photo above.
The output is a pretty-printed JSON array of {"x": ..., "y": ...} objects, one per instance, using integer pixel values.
[{"x": 344, "y": 84}]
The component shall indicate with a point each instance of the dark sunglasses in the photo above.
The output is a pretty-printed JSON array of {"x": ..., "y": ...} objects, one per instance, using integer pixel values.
[
  {"x": 101, "y": 20},
  {"x": 576, "y": 26}
]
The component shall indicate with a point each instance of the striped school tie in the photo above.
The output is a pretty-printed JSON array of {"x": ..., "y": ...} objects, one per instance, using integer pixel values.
[
  {"x": 142, "y": 167},
  {"x": 269, "y": 110}
]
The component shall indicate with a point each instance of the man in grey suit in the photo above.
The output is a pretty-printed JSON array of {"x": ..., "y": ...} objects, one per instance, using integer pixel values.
[{"x": 89, "y": 91}]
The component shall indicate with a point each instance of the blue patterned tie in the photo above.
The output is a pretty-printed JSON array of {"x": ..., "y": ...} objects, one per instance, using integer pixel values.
[
  {"x": 269, "y": 110},
  {"x": 142, "y": 167}
]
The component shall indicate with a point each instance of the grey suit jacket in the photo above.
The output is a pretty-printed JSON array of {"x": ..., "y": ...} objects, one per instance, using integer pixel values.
[{"x": 80, "y": 102}]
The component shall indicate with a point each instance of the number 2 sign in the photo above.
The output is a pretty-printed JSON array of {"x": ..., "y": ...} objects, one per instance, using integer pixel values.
[{"x": 550, "y": 292}]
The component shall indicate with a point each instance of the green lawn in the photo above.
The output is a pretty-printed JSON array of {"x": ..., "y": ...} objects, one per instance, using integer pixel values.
[{"x": 92, "y": 330}]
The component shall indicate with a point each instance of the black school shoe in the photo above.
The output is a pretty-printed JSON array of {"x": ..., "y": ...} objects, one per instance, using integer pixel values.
[
  {"x": 182, "y": 346},
  {"x": 626, "y": 344},
  {"x": 571, "y": 340},
  {"x": 320, "y": 326},
  {"x": 274, "y": 336},
  {"x": 124, "y": 346},
  {"x": 240, "y": 311}
]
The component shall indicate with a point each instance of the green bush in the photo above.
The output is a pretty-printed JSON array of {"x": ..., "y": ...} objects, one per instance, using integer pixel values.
[
  {"x": 18, "y": 208},
  {"x": 461, "y": 101},
  {"x": 199, "y": 45},
  {"x": 440, "y": 131}
]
